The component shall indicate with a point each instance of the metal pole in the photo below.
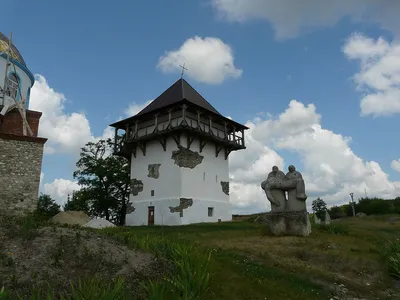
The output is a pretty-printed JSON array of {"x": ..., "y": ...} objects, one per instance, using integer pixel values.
[{"x": 352, "y": 204}]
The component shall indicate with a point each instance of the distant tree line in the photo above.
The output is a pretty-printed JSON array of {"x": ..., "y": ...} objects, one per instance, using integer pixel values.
[{"x": 368, "y": 206}]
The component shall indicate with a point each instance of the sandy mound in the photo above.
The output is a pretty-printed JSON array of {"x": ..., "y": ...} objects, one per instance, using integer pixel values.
[
  {"x": 98, "y": 223},
  {"x": 70, "y": 218},
  {"x": 60, "y": 255}
]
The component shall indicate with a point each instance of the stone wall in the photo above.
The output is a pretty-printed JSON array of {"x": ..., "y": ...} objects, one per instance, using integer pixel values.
[{"x": 20, "y": 168}]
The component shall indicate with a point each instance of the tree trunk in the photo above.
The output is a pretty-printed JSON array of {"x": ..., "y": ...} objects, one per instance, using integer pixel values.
[{"x": 122, "y": 214}]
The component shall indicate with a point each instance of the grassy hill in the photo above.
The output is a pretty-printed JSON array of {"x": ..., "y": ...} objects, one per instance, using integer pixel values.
[{"x": 235, "y": 260}]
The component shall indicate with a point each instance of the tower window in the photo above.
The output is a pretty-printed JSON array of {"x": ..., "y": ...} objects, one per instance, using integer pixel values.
[
  {"x": 152, "y": 193},
  {"x": 204, "y": 176},
  {"x": 210, "y": 211},
  {"x": 12, "y": 85},
  {"x": 181, "y": 214},
  {"x": 216, "y": 178}
]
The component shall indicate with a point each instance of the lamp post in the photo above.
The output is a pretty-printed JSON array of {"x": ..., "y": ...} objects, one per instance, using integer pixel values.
[{"x": 352, "y": 204}]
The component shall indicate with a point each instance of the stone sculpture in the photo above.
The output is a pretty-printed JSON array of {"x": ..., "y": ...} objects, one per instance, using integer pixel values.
[{"x": 288, "y": 216}]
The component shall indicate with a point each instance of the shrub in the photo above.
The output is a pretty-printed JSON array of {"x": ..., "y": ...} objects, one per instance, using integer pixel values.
[
  {"x": 191, "y": 275},
  {"x": 393, "y": 258}
]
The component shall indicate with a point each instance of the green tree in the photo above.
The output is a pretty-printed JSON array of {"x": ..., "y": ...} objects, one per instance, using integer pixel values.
[
  {"x": 47, "y": 207},
  {"x": 78, "y": 202},
  {"x": 104, "y": 180},
  {"x": 319, "y": 208},
  {"x": 337, "y": 212}
]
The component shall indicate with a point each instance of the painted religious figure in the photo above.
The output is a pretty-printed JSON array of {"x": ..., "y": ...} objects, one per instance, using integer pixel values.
[{"x": 277, "y": 184}]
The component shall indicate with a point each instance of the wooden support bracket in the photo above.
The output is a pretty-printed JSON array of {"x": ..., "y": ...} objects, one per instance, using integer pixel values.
[
  {"x": 134, "y": 151},
  {"x": 177, "y": 139},
  {"x": 190, "y": 140},
  {"x": 142, "y": 147},
  {"x": 202, "y": 144},
  {"x": 163, "y": 142},
  {"x": 227, "y": 152},
  {"x": 217, "y": 149}
]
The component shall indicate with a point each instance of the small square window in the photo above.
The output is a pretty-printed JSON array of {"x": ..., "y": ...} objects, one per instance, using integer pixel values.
[
  {"x": 152, "y": 193},
  {"x": 210, "y": 211}
]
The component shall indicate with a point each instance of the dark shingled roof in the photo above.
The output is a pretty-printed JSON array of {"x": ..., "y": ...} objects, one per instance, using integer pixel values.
[
  {"x": 179, "y": 91},
  {"x": 14, "y": 51}
]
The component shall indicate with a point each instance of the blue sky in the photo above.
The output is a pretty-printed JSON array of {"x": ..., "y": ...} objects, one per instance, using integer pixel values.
[{"x": 102, "y": 59}]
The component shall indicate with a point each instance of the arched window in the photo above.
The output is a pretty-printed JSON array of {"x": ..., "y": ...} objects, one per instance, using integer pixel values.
[{"x": 12, "y": 85}]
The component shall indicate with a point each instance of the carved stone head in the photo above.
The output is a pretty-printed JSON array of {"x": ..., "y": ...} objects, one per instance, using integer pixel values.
[
  {"x": 275, "y": 169},
  {"x": 292, "y": 168}
]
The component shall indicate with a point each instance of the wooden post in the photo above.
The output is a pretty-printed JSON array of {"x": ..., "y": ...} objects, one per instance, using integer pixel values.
[
  {"x": 225, "y": 130},
  {"x": 115, "y": 138},
  {"x": 169, "y": 117},
  {"x": 184, "y": 106},
  {"x": 136, "y": 128},
  {"x": 155, "y": 123}
]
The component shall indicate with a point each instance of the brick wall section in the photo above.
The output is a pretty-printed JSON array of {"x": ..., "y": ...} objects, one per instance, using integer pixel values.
[
  {"x": 12, "y": 122},
  {"x": 20, "y": 168}
]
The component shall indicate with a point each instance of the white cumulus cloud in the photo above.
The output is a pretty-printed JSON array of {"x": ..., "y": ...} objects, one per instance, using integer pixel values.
[
  {"x": 396, "y": 165},
  {"x": 60, "y": 188},
  {"x": 379, "y": 76},
  {"x": 208, "y": 60},
  {"x": 135, "y": 107},
  {"x": 66, "y": 133},
  {"x": 291, "y": 17},
  {"x": 330, "y": 168}
]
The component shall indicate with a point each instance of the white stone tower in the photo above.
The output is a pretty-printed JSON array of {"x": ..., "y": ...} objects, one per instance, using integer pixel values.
[{"x": 178, "y": 147}]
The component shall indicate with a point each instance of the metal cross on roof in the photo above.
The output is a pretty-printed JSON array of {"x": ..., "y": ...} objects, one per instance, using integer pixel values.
[{"x": 183, "y": 69}]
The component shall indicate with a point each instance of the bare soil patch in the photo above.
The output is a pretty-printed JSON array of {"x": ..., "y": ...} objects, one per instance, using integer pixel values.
[{"x": 34, "y": 258}]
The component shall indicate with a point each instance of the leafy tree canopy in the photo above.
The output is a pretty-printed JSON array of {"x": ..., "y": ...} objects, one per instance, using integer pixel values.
[
  {"x": 47, "y": 207},
  {"x": 319, "y": 208},
  {"x": 104, "y": 180}
]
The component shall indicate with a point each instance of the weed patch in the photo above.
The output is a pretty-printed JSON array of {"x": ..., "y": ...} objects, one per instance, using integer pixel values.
[{"x": 333, "y": 228}]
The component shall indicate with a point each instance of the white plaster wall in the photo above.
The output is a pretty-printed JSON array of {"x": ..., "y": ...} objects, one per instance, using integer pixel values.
[
  {"x": 198, "y": 213},
  {"x": 204, "y": 181},
  {"x": 162, "y": 214},
  {"x": 168, "y": 185},
  {"x": 177, "y": 182},
  {"x": 25, "y": 83}
]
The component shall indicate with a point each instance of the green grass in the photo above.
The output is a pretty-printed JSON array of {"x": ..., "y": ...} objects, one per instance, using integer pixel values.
[{"x": 236, "y": 261}]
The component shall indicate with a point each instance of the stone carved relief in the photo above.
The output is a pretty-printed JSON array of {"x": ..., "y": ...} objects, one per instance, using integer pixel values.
[
  {"x": 136, "y": 186},
  {"x": 186, "y": 158},
  {"x": 154, "y": 171},
  {"x": 184, "y": 204},
  {"x": 225, "y": 187}
]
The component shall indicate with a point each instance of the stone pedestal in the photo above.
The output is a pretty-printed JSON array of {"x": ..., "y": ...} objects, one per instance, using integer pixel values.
[{"x": 294, "y": 223}]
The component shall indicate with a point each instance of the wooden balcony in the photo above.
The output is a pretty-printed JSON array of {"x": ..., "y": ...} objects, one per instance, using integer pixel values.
[{"x": 222, "y": 136}]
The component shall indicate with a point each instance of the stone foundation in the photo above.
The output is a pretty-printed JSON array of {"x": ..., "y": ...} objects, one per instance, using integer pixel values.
[
  {"x": 295, "y": 223},
  {"x": 20, "y": 168}
]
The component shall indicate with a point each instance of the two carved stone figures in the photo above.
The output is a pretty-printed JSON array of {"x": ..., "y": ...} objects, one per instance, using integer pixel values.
[
  {"x": 277, "y": 184},
  {"x": 288, "y": 216}
]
